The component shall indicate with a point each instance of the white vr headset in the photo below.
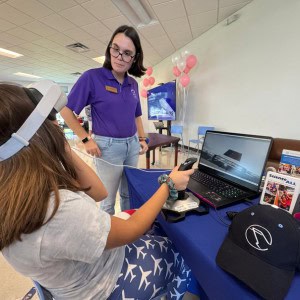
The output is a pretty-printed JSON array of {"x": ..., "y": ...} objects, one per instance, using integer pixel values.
[{"x": 52, "y": 98}]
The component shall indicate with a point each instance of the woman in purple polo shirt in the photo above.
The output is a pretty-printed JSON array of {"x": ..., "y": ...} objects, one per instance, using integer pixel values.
[{"x": 116, "y": 112}]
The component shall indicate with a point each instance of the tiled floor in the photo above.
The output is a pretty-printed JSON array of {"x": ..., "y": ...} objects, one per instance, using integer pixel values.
[{"x": 15, "y": 286}]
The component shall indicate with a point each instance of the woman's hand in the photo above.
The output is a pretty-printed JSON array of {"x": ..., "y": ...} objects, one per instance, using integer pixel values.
[
  {"x": 181, "y": 178},
  {"x": 92, "y": 148},
  {"x": 144, "y": 147}
]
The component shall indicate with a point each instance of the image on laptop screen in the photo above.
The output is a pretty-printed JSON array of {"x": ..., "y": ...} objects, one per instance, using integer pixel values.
[{"x": 238, "y": 158}]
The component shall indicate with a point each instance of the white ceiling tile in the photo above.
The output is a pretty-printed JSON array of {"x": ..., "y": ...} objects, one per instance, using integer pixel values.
[
  {"x": 169, "y": 10},
  {"x": 96, "y": 45},
  {"x": 224, "y": 3},
  {"x": 78, "y": 15},
  {"x": 32, "y": 8},
  {"x": 115, "y": 22},
  {"x": 91, "y": 54},
  {"x": 57, "y": 22},
  {"x": 203, "y": 19},
  {"x": 176, "y": 25},
  {"x": 33, "y": 47},
  {"x": 97, "y": 29},
  {"x": 152, "y": 30},
  {"x": 153, "y": 2},
  {"x": 199, "y": 6},
  {"x": 101, "y": 9},
  {"x": 13, "y": 40},
  {"x": 13, "y": 15},
  {"x": 78, "y": 34},
  {"x": 6, "y": 45},
  {"x": 81, "y": 1},
  {"x": 5, "y": 25},
  {"x": 22, "y": 50},
  {"x": 196, "y": 32},
  {"x": 105, "y": 38},
  {"x": 180, "y": 39},
  {"x": 24, "y": 34},
  {"x": 39, "y": 28},
  {"x": 59, "y": 5},
  {"x": 46, "y": 43},
  {"x": 163, "y": 46},
  {"x": 227, "y": 11},
  {"x": 61, "y": 39}
]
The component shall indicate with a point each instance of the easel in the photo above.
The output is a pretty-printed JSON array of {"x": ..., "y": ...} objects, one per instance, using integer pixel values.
[{"x": 168, "y": 127}]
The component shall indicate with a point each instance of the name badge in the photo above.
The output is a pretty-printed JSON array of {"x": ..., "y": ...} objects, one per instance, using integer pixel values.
[{"x": 111, "y": 89}]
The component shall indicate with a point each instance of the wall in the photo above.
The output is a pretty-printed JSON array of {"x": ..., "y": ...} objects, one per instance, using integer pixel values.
[{"x": 248, "y": 74}]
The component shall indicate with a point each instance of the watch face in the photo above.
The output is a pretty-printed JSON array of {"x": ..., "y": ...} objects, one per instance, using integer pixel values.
[{"x": 85, "y": 140}]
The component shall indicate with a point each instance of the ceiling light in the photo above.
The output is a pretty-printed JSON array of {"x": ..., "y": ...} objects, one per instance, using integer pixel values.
[
  {"x": 8, "y": 53},
  {"x": 26, "y": 75},
  {"x": 99, "y": 59},
  {"x": 138, "y": 12}
]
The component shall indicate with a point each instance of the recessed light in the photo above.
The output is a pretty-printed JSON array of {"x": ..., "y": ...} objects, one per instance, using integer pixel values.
[
  {"x": 26, "y": 75},
  {"x": 99, "y": 59},
  {"x": 9, "y": 53}
]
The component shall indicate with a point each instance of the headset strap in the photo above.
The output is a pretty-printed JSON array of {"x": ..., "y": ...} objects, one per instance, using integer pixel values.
[{"x": 22, "y": 137}]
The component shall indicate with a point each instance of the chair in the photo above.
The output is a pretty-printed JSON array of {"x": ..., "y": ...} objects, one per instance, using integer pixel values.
[
  {"x": 42, "y": 292},
  {"x": 201, "y": 133},
  {"x": 178, "y": 130}
]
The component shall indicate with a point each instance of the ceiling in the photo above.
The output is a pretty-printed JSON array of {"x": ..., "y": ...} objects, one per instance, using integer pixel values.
[{"x": 41, "y": 29}]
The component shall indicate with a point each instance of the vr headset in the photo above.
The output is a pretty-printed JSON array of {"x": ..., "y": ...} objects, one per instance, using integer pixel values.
[{"x": 49, "y": 100}]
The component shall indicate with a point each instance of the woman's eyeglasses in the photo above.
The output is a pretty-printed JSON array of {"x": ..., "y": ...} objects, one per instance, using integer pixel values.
[{"x": 126, "y": 56}]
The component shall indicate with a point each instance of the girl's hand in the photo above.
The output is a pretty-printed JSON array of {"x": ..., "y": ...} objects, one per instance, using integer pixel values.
[{"x": 181, "y": 178}]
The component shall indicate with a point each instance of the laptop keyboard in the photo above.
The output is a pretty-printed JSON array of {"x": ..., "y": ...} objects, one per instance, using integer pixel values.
[{"x": 218, "y": 186}]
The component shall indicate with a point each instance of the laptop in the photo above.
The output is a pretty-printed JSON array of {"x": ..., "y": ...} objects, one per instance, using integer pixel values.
[{"x": 230, "y": 167}]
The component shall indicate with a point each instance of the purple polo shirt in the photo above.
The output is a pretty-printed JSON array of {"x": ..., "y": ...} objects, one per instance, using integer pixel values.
[{"x": 114, "y": 107}]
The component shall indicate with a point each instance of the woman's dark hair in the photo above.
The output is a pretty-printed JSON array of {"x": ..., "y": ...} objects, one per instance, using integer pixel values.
[{"x": 137, "y": 69}]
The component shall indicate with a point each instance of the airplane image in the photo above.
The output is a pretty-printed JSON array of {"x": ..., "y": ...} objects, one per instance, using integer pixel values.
[{"x": 164, "y": 104}]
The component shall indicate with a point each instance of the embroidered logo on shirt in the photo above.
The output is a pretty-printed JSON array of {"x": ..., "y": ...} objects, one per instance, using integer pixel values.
[
  {"x": 133, "y": 93},
  {"x": 111, "y": 89}
]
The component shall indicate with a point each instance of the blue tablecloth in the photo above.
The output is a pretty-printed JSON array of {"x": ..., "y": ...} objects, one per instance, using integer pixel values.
[{"x": 198, "y": 238}]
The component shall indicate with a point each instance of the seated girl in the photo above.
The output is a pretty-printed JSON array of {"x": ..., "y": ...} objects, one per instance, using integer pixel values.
[{"x": 51, "y": 229}]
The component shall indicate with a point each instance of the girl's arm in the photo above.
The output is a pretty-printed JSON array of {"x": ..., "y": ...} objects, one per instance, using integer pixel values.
[{"x": 126, "y": 231}]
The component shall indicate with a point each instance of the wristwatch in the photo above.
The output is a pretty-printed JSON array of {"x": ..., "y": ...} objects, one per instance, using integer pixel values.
[
  {"x": 86, "y": 139},
  {"x": 173, "y": 193}
]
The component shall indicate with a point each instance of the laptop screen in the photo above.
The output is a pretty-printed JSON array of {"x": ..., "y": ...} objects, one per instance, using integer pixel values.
[{"x": 238, "y": 158}]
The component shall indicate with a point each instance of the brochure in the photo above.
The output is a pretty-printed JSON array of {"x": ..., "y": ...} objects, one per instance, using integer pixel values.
[
  {"x": 283, "y": 191},
  {"x": 290, "y": 163}
]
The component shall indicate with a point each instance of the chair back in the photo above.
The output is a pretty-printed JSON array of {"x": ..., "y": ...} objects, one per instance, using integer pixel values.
[
  {"x": 42, "y": 292},
  {"x": 177, "y": 129},
  {"x": 202, "y": 129}
]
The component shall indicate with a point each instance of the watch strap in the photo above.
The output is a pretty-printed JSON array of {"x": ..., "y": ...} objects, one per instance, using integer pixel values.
[
  {"x": 85, "y": 140},
  {"x": 173, "y": 193}
]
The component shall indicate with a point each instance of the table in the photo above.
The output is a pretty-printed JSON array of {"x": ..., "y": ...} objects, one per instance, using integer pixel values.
[
  {"x": 158, "y": 140},
  {"x": 198, "y": 239}
]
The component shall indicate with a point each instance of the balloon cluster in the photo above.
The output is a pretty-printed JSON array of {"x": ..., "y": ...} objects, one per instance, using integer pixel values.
[
  {"x": 183, "y": 63},
  {"x": 147, "y": 82}
]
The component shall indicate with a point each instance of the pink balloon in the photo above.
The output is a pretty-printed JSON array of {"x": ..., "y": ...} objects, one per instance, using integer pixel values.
[
  {"x": 186, "y": 70},
  {"x": 176, "y": 71},
  {"x": 146, "y": 82},
  {"x": 185, "y": 80},
  {"x": 151, "y": 80},
  {"x": 191, "y": 61},
  {"x": 149, "y": 71},
  {"x": 144, "y": 93}
]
